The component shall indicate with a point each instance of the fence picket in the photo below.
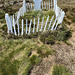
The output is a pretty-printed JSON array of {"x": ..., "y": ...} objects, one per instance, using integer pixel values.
[
  {"x": 46, "y": 23},
  {"x": 34, "y": 26},
  {"x": 38, "y": 25},
  {"x": 42, "y": 23},
  {"x": 50, "y": 22},
  {"x": 30, "y": 26}
]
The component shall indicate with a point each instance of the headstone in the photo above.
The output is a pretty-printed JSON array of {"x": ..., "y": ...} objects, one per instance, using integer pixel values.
[
  {"x": 26, "y": 25},
  {"x": 42, "y": 24},
  {"x": 38, "y": 25},
  {"x": 50, "y": 22},
  {"x": 22, "y": 26},
  {"x": 30, "y": 27},
  {"x": 37, "y": 4},
  {"x": 55, "y": 4},
  {"x": 24, "y": 6},
  {"x": 46, "y": 23},
  {"x": 34, "y": 26}
]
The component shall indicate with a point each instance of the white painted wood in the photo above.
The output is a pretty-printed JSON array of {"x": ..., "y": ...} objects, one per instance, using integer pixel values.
[
  {"x": 26, "y": 25},
  {"x": 37, "y": 4},
  {"x": 34, "y": 26},
  {"x": 22, "y": 26},
  {"x": 50, "y": 22},
  {"x": 42, "y": 24},
  {"x": 30, "y": 27},
  {"x": 38, "y": 25},
  {"x": 46, "y": 23},
  {"x": 8, "y": 21},
  {"x": 53, "y": 24},
  {"x": 18, "y": 27},
  {"x": 14, "y": 25}
]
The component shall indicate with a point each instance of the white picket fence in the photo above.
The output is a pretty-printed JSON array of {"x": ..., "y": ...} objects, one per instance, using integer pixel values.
[
  {"x": 49, "y": 24},
  {"x": 49, "y": 5}
]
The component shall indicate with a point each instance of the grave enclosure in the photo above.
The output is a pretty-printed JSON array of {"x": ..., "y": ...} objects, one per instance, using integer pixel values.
[{"x": 16, "y": 28}]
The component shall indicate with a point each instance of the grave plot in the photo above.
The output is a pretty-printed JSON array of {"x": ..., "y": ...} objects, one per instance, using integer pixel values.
[{"x": 35, "y": 17}]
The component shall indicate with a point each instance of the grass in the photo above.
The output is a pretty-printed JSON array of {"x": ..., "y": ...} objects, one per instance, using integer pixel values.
[
  {"x": 15, "y": 55},
  {"x": 50, "y": 37},
  {"x": 60, "y": 70}
]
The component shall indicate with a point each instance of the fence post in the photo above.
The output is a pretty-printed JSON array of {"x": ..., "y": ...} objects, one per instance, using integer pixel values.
[
  {"x": 42, "y": 23},
  {"x": 46, "y": 23},
  {"x": 38, "y": 25},
  {"x": 26, "y": 25},
  {"x": 30, "y": 27},
  {"x": 22, "y": 26},
  {"x": 34, "y": 26},
  {"x": 50, "y": 22}
]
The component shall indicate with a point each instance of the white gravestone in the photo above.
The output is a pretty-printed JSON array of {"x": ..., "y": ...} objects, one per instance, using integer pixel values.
[
  {"x": 26, "y": 25},
  {"x": 38, "y": 25},
  {"x": 22, "y": 26},
  {"x": 24, "y": 6},
  {"x": 14, "y": 25},
  {"x": 34, "y": 26},
  {"x": 46, "y": 23},
  {"x": 37, "y": 4},
  {"x": 8, "y": 21},
  {"x": 50, "y": 22},
  {"x": 55, "y": 4},
  {"x": 30, "y": 27},
  {"x": 42, "y": 24}
]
